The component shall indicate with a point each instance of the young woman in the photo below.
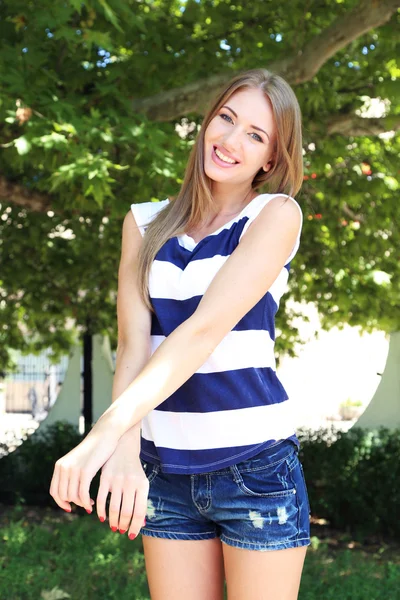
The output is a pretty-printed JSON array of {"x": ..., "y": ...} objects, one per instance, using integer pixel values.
[{"x": 199, "y": 436}]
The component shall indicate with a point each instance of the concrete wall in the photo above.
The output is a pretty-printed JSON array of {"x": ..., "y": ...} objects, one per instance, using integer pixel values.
[
  {"x": 384, "y": 408},
  {"x": 68, "y": 404}
]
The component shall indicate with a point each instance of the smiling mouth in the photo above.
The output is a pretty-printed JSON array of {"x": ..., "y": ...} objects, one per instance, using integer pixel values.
[{"x": 224, "y": 161}]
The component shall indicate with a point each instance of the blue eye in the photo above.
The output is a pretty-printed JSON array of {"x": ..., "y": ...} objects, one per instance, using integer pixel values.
[
  {"x": 225, "y": 115},
  {"x": 259, "y": 137}
]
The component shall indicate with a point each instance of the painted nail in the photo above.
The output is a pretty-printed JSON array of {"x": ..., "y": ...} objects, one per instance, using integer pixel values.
[
  {"x": 102, "y": 519},
  {"x": 132, "y": 536},
  {"x": 89, "y": 511},
  {"x": 144, "y": 523},
  {"x": 122, "y": 530},
  {"x": 113, "y": 528},
  {"x": 67, "y": 509}
]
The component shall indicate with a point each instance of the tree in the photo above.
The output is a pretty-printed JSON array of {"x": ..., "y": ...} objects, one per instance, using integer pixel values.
[{"x": 100, "y": 104}]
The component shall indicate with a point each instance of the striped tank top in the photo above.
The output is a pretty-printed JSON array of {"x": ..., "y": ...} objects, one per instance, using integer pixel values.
[{"x": 234, "y": 405}]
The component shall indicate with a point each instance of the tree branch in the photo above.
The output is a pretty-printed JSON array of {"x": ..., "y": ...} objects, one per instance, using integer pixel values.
[
  {"x": 16, "y": 194},
  {"x": 366, "y": 15},
  {"x": 298, "y": 68},
  {"x": 352, "y": 214},
  {"x": 351, "y": 124}
]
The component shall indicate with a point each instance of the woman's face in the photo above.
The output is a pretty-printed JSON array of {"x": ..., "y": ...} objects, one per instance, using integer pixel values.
[{"x": 234, "y": 131}]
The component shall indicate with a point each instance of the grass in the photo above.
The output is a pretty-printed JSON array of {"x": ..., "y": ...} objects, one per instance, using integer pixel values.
[{"x": 51, "y": 555}]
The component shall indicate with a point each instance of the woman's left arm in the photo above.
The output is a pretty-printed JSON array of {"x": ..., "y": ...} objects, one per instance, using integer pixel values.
[{"x": 240, "y": 283}]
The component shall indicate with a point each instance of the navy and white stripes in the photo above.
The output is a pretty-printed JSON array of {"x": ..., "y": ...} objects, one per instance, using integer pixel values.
[{"x": 234, "y": 406}]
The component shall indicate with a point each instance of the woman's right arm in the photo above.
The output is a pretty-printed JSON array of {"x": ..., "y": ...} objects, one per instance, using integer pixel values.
[
  {"x": 133, "y": 317},
  {"x": 122, "y": 474}
]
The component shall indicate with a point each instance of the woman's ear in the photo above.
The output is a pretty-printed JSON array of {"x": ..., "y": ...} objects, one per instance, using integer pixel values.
[{"x": 266, "y": 168}]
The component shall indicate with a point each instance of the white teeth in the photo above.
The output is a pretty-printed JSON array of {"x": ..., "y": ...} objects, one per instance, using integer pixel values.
[{"x": 223, "y": 157}]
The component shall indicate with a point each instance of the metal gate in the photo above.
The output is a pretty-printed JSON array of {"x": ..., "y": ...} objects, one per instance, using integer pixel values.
[{"x": 33, "y": 388}]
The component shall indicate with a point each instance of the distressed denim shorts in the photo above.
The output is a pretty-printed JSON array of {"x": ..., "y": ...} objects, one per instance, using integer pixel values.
[{"x": 258, "y": 504}]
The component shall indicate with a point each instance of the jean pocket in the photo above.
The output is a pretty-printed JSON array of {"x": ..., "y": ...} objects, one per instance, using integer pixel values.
[{"x": 273, "y": 480}]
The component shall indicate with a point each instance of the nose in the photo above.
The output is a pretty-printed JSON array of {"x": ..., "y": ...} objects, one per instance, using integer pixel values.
[{"x": 232, "y": 142}]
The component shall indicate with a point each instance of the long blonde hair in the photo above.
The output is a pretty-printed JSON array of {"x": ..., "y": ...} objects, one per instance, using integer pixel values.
[{"x": 194, "y": 200}]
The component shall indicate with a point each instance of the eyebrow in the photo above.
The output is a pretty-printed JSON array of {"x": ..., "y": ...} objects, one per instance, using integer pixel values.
[{"x": 253, "y": 126}]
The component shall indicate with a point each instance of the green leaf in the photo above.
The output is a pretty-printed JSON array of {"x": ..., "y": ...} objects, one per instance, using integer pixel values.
[
  {"x": 110, "y": 15},
  {"x": 77, "y": 5}
]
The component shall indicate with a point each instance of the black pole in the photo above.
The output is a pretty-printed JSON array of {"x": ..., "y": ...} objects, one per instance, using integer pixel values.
[{"x": 87, "y": 378}]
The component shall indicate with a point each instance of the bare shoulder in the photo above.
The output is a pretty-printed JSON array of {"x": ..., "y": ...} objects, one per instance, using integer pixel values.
[
  {"x": 130, "y": 223},
  {"x": 133, "y": 325},
  {"x": 287, "y": 204},
  {"x": 280, "y": 213},
  {"x": 131, "y": 237}
]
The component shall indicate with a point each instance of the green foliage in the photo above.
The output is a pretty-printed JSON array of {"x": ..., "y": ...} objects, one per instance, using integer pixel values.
[
  {"x": 26, "y": 473},
  {"x": 48, "y": 555},
  {"x": 68, "y": 75},
  {"x": 352, "y": 477},
  {"x": 350, "y": 402}
]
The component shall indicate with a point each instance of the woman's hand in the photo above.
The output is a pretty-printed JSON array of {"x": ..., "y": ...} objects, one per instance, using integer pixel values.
[
  {"x": 74, "y": 472},
  {"x": 123, "y": 476}
]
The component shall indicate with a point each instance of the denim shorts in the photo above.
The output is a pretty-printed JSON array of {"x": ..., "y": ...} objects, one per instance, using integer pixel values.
[{"x": 258, "y": 504}]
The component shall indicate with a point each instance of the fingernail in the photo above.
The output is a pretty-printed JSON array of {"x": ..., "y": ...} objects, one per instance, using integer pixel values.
[
  {"x": 113, "y": 529},
  {"x": 144, "y": 523},
  {"x": 132, "y": 536},
  {"x": 67, "y": 509},
  {"x": 122, "y": 530},
  {"x": 89, "y": 511},
  {"x": 102, "y": 519}
]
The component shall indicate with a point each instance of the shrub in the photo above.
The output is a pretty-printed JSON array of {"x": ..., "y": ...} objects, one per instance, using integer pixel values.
[
  {"x": 353, "y": 477},
  {"x": 26, "y": 473}
]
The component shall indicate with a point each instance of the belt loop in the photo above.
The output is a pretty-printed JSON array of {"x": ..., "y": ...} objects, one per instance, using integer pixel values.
[{"x": 235, "y": 473}]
